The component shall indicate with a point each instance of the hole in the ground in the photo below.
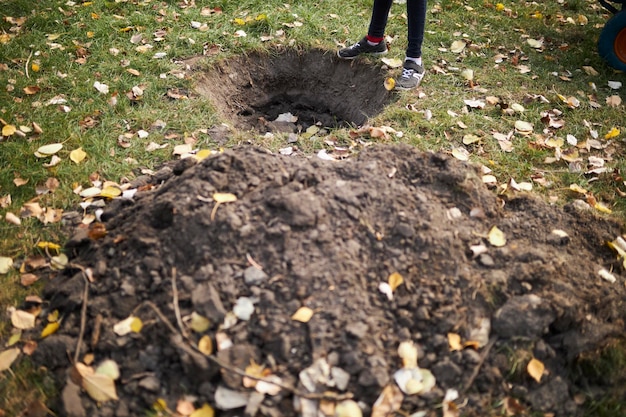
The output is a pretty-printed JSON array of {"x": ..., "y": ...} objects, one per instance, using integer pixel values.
[{"x": 260, "y": 90}]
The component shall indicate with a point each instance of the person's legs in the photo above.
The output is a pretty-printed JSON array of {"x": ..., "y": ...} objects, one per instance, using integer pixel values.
[
  {"x": 378, "y": 22},
  {"x": 374, "y": 42},
  {"x": 412, "y": 71},
  {"x": 416, "y": 16}
]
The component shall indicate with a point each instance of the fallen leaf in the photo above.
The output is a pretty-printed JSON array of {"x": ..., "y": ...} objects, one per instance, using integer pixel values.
[
  {"x": 50, "y": 149},
  {"x": 303, "y": 315},
  {"x": 22, "y": 319},
  {"x": 224, "y": 197},
  {"x": 199, "y": 324},
  {"x": 100, "y": 387},
  {"x": 496, "y": 237},
  {"x": 348, "y": 408},
  {"x": 78, "y": 155},
  {"x": 50, "y": 328},
  {"x": 613, "y": 101},
  {"x": 205, "y": 411},
  {"x": 458, "y": 46},
  {"x": 407, "y": 351},
  {"x": 7, "y": 358},
  {"x": 128, "y": 325},
  {"x": 205, "y": 345},
  {"x": 390, "y": 84},
  {"x": 6, "y": 264},
  {"x": 454, "y": 341},
  {"x": 395, "y": 280},
  {"x": 535, "y": 369},
  {"x": 461, "y": 154},
  {"x": 110, "y": 368},
  {"x": 388, "y": 402},
  {"x": 393, "y": 62},
  {"x": 8, "y": 130}
]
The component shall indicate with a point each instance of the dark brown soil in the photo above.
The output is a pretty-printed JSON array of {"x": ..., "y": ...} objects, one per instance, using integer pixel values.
[
  {"x": 326, "y": 234},
  {"x": 252, "y": 90}
]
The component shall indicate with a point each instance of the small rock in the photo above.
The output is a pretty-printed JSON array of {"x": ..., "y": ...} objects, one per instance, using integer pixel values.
[
  {"x": 150, "y": 383},
  {"x": 71, "y": 400},
  {"x": 207, "y": 302},
  {"x": 486, "y": 260},
  {"x": 254, "y": 276},
  {"x": 227, "y": 399}
]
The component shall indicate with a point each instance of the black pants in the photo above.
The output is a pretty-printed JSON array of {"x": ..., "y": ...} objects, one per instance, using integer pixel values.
[{"x": 416, "y": 16}]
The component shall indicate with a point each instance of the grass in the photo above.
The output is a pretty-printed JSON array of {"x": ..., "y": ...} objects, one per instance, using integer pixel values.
[{"x": 75, "y": 45}]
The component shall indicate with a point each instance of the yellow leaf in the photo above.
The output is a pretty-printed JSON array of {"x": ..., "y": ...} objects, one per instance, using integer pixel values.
[
  {"x": 239, "y": 21},
  {"x": 303, "y": 315},
  {"x": 22, "y": 319},
  {"x": 602, "y": 208},
  {"x": 8, "y": 357},
  {"x": 110, "y": 192},
  {"x": 160, "y": 405},
  {"x": 499, "y": 7},
  {"x": 136, "y": 324},
  {"x": 78, "y": 155},
  {"x": 199, "y": 324},
  {"x": 203, "y": 153},
  {"x": 49, "y": 246},
  {"x": 50, "y": 328},
  {"x": 496, "y": 237},
  {"x": 8, "y": 130},
  {"x": 224, "y": 197},
  {"x": 535, "y": 369},
  {"x": 395, "y": 280},
  {"x": 205, "y": 345},
  {"x": 611, "y": 133},
  {"x": 205, "y": 411},
  {"x": 577, "y": 189},
  {"x": 454, "y": 340},
  {"x": 53, "y": 316},
  {"x": 390, "y": 84}
]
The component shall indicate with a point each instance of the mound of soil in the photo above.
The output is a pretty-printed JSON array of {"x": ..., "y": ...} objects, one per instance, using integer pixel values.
[{"x": 325, "y": 235}]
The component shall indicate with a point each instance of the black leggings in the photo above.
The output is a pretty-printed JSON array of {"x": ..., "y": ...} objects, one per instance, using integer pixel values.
[{"x": 416, "y": 16}]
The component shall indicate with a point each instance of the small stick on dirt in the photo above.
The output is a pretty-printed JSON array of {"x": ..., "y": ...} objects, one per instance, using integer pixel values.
[
  {"x": 179, "y": 319},
  {"x": 253, "y": 262},
  {"x": 83, "y": 312},
  {"x": 483, "y": 356}
]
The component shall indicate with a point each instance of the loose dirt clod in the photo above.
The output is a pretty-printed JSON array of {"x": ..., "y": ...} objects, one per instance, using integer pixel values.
[
  {"x": 315, "y": 87},
  {"x": 324, "y": 235}
]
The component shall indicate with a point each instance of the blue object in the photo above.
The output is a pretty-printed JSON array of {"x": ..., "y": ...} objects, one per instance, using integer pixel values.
[{"x": 612, "y": 41}]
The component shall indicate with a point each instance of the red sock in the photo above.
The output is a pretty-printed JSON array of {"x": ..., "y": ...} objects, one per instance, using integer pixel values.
[{"x": 374, "y": 39}]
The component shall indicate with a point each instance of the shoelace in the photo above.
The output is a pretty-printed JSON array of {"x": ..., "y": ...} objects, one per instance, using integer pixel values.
[{"x": 407, "y": 72}]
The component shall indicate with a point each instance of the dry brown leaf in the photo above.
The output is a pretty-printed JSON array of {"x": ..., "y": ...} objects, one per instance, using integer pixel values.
[
  {"x": 22, "y": 319},
  {"x": 388, "y": 402},
  {"x": 613, "y": 101}
]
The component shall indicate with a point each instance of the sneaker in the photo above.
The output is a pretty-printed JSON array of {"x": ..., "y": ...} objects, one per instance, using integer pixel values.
[
  {"x": 411, "y": 77},
  {"x": 362, "y": 47}
]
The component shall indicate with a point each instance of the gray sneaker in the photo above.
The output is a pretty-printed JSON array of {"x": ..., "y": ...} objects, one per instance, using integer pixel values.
[
  {"x": 411, "y": 77},
  {"x": 362, "y": 47}
]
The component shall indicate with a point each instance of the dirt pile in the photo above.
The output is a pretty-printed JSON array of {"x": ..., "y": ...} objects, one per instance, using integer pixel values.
[{"x": 325, "y": 235}]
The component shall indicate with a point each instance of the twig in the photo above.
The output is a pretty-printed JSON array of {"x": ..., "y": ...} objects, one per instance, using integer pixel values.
[
  {"x": 483, "y": 356},
  {"x": 253, "y": 262},
  {"x": 179, "y": 319},
  {"x": 27, "y": 62},
  {"x": 83, "y": 312}
]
